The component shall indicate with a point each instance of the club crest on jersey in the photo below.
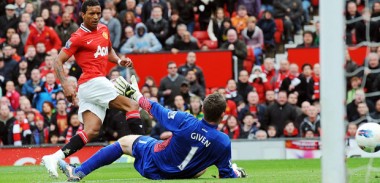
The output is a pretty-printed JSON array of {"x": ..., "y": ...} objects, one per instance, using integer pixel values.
[
  {"x": 172, "y": 114},
  {"x": 105, "y": 35},
  {"x": 68, "y": 44}
]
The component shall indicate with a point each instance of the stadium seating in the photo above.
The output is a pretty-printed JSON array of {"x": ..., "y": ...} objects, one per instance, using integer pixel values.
[
  {"x": 201, "y": 35},
  {"x": 212, "y": 45}
]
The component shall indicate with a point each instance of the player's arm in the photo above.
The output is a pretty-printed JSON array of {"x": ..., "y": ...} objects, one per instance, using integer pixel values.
[
  {"x": 224, "y": 164},
  {"x": 114, "y": 58},
  {"x": 69, "y": 91}
]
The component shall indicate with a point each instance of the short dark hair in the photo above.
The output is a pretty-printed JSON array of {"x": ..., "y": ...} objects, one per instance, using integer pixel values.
[
  {"x": 307, "y": 65},
  {"x": 307, "y": 32},
  {"x": 88, "y": 3},
  {"x": 213, "y": 107},
  {"x": 170, "y": 63}
]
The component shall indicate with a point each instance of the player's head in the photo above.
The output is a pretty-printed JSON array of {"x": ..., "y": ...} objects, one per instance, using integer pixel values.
[
  {"x": 91, "y": 12},
  {"x": 214, "y": 106}
]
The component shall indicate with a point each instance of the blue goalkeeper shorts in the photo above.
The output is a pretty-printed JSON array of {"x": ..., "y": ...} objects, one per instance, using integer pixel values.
[{"x": 142, "y": 150}]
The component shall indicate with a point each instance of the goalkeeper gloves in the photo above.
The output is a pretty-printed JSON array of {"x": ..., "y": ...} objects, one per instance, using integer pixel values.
[
  {"x": 129, "y": 90},
  {"x": 240, "y": 172}
]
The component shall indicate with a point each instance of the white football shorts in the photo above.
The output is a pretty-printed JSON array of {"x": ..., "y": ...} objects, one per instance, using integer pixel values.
[{"x": 95, "y": 95}]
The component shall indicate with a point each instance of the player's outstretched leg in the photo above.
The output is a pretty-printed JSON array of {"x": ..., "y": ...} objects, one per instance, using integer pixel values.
[{"x": 104, "y": 156}]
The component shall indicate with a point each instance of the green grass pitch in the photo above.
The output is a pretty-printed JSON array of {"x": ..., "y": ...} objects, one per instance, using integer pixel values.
[{"x": 292, "y": 171}]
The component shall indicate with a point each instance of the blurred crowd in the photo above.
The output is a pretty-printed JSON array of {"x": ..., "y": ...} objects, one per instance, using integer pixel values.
[{"x": 267, "y": 101}]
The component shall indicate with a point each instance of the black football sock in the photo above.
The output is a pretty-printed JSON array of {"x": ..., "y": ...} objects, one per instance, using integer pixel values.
[{"x": 76, "y": 143}]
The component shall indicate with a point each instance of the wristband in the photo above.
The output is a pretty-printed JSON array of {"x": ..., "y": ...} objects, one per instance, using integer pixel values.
[{"x": 119, "y": 61}]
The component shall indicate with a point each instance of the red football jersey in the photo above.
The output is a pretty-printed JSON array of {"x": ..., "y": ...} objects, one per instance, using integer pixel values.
[{"x": 90, "y": 49}]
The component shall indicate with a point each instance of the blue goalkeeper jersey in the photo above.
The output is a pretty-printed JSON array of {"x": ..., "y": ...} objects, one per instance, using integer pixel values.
[{"x": 194, "y": 146}]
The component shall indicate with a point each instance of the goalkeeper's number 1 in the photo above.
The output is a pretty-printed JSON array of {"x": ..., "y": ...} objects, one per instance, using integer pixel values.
[{"x": 188, "y": 158}]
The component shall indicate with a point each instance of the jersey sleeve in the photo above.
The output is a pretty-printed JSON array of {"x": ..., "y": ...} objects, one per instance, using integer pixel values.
[
  {"x": 171, "y": 120},
  {"x": 71, "y": 46},
  {"x": 224, "y": 164}
]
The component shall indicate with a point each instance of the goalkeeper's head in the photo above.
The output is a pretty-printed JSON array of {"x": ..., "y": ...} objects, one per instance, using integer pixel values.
[{"x": 213, "y": 108}]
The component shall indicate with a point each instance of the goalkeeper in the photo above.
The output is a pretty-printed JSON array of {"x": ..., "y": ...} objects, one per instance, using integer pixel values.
[{"x": 194, "y": 146}]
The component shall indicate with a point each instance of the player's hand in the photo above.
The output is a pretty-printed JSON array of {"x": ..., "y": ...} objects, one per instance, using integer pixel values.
[
  {"x": 126, "y": 62},
  {"x": 240, "y": 172},
  {"x": 70, "y": 93},
  {"x": 165, "y": 135}
]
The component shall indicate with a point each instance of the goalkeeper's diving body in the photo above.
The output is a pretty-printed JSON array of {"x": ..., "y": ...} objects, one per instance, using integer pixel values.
[{"x": 194, "y": 146}]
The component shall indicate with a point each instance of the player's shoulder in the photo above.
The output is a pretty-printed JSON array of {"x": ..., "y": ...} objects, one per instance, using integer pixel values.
[{"x": 102, "y": 26}]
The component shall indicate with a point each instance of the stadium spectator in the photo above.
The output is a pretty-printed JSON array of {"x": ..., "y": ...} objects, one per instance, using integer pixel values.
[
  {"x": 184, "y": 44},
  {"x": 21, "y": 80},
  {"x": 159, "y": 132},
  {"x": 128, "y": 33},
  {"x": 305, "y": 7},
  {"x": 43, "y": 34},
  {"x": 351, "y": 130},
  {"x": 113, "y": 25},
  {"x": 272, "y": 131},
  {"x": 254, "y": 39},
  {"x": 16, "y": 43},
  {"x": 240, "y": 20},
  {"x": 180, "y": 104},
  {"x": 158, "y": 25},
  {"x": 249, "y": 127},
  {"x": 238, "y": 47},
  {"x": 115, "y": 125},
  {"x": 376, "y": 114},
  {"x": 261, "y": 135},
  {"x": 49, "y": 21},
  {"x": 33, "y": 86},
  {"x": 19, "y": 132},
  {"x": 364, "y": 115},
  {"x": 60, "y": 123},
  {"x": 370, "y": 75},
  {"x": 307, "y": 74},
  {"x": 29, "y": 8},
  {"x": 362, "y": 26},
  {"x": 130, "y": 6},
  {"x": 40, "y": 135},
  {"x": 6, "y": 120},
  {"x": 170, "y": 85},
  {"x": 181, "y": 29},
  {"x": 195, "y": 87},
  {"x": 195, "y": 107},
  {"x": 8, "y": 34},
  {"x": 269, "y": 97},
  {"x": 243, "y": 86},
  {"x": 185, "y": 92},
  {"x": 19, "y": 7},
  {"x": 174, "y": 21},
  {"x": 290, "y": 11},
  {"x": 231, "y": 106},
  {"x": 130, "y": 20},
  {"x": 66, "y": 28},
  {"x": 316, "y": 79},
  {"x": 253, "y": 6},
  {"x": 186, "y": 13},
  {"x": 304, "y": 108},
  {"x": 204, "y": 9},
  {"x": 74, "y": 128},
  {"x": 232, "y": 93},
  {"x": 215, "y": 28},
  {"x": 295, "y": 83},
  {"x": 148, "y": 6},
  {"x": 41, "y": 51},
  {"x": 355, "y": 83},
  {"x": 290, "y": 130},
  {"x": 351, "y": 15},
  {"x": 48, "y": 113},
  {"x": 8, "y": 20},
  {"x": 49, "y": 88},
  {"x": 232, "y": 127},
  {"x": 23, "y": 31},
  {"x": 142, "y": 42},
  {"x": 311, "y": 122},
  {"x": 55, "y": 14},
  {"x": 259, "y": 82},
  {"x": 292, "y": 100},
  {"x": 9, "y": 65},
  {"x": 253, "y": 107},
  {"x": 316, "y": 34},
  {"x": 47, "y": 66},
  {"x": 34, "y": 62},
  {"x": 350, "y": 67},
  {"x": 278, "y": 113},
  {"x": 308, "y": 40},
  {"x": 268, "y": 27},
  {"x": 48, "y": 4},
  {"x": 12, "y": 94},
  {"x": 191, "y": 59}
]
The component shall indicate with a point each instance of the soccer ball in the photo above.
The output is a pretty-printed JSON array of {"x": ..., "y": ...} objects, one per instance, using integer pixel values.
[{"x": 368, "y": 137}]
